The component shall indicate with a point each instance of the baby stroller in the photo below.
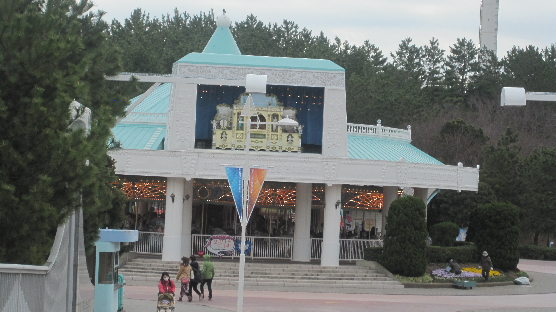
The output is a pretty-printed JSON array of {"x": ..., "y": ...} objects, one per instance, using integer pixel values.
[{"x": 165, "y": 302}]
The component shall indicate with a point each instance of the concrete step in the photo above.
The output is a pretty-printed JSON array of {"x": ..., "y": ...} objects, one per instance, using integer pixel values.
[{"x": 271, "y": 274}]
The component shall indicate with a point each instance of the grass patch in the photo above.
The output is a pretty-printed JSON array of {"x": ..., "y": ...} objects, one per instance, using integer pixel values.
[{"x": 426, "y": 278}]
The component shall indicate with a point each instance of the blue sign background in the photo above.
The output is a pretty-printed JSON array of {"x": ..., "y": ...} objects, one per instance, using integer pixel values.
[{"x": 247, "y": 246}]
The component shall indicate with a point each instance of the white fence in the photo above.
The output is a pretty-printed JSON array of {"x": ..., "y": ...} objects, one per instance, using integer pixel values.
[
  {"x": 350, "y": 249},
  {"x": 261, "y": 247},
  {"x": 148, "y": 242},
  {"x": 379, "y": 130}
]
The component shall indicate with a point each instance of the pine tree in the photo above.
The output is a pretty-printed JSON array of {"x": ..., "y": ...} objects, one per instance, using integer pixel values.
[{"x": 52, "y": 53}]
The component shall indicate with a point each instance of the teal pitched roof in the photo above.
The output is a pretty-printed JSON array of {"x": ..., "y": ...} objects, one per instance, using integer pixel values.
[
  {"x": 156, "y": 102},
  {"x": 222, "y": 42},
  {"x": 259, "y": 61},
  {"x": 376, "y": 148},
  {"x": 140, "y": 136}
]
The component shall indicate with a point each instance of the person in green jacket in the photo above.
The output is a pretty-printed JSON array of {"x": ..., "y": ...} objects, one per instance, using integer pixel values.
[{"x": 208, "y": 274}]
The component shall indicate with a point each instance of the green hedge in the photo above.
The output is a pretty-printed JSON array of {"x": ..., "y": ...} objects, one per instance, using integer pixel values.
[
  {"x": 464, "y": 254},
  {"x": 494, "y": 228},
  {"x": 372, "y": 253},
  {"x": 405, "y": 244},
  {"x": 537, "y": 253},
  {"x": 444, "y": 234}
]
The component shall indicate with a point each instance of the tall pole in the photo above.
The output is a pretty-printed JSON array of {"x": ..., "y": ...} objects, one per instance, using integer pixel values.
[{"x": 246, "y": 174}]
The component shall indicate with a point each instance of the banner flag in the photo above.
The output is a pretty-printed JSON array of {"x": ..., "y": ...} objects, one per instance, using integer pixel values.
[
  {"x": 256, "y": 181},
  {"x": 235, "y": 179}
]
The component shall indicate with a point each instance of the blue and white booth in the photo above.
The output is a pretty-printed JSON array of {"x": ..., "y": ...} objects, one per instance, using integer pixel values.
[{"x": 106, "y": 268}]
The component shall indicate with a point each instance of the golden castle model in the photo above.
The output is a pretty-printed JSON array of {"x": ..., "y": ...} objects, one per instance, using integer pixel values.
[{"x": 228, "y": 129}]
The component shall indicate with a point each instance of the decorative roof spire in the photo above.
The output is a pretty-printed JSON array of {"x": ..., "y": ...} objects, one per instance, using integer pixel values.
[{"x": 222, "y": 41}]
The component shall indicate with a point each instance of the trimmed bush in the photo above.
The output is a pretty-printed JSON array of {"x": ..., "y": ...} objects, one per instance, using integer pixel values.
[
  {"x": 405, "y": 246},
  {"x": 537, "y": 253},
  {"x": 495, "y": 228},
  {"x": 435, "y": 254},
  {"x": 372, "y": 253},
  {"x": 444, "y": 234}
]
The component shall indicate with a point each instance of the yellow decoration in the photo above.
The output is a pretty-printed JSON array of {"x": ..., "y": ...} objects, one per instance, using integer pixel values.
[
  {"x": 480, "y": 271},
  {"x": 228, "y": 128}
]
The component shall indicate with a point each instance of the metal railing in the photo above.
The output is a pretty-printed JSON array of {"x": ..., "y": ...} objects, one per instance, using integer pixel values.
[
  {"x": 148, "y": 242},
  {"x": 350, "y": 249},
  {"x": 261, "y": 247},
  {"x": 380, "y": 130}
]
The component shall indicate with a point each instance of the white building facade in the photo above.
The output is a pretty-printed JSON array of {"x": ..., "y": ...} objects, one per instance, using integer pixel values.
[{"x": 175, "y": 145}]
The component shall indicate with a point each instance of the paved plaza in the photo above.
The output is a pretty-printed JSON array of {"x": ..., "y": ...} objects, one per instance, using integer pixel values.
[{"x": 540, "y": 296}]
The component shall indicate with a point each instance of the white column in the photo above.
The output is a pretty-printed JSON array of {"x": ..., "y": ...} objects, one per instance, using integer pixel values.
[
  {"x": 302, "y": 231},
  {"x": 389, "y": 193},
  {"x": 330, "y": 255},
  {"x": 334, "y": 135},
  {"x": 171, "y": 250},
  {"x": 423, "y": 194},
  {"x": 187, "y": 218}
]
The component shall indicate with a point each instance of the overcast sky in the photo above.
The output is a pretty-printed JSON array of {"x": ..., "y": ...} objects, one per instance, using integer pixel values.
[{"x": 384, "y": 23}]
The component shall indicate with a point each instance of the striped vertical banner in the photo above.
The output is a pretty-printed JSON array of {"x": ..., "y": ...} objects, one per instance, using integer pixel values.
[
  {"x": 235, "y": 179},
  {"x": 256, "y": 181}
]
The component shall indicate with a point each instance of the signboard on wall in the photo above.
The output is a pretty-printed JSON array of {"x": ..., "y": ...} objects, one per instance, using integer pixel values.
[{"x": 220, "y": 244}]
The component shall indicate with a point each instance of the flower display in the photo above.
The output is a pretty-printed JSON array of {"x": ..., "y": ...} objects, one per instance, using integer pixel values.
[
  {"x": 479, "y": 271},
  {"x": 441, "y": 273}
]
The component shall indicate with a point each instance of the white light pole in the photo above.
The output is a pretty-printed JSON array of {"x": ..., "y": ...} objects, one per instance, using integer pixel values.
[
  {"x": 511, "y": 96},
  {"x": 253, "y": 84}
]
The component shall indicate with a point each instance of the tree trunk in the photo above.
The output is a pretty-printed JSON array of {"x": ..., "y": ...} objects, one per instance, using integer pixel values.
[{"x": 536, "y": 239}]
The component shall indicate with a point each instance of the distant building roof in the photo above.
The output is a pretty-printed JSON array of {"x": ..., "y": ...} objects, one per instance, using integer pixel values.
[{"x": 376, "y": 148}]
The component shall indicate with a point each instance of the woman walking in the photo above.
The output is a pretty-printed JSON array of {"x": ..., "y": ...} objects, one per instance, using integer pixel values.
[
  {"x": 208, "y": 274},
  {"x": 183, "y": 276},
  {"x": 193, "y": 283}
]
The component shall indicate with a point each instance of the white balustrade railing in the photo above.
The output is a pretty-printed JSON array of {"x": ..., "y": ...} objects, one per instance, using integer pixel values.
[
  {"x": 261, "y": 247},
  {"x": 148, "y": 242},
  {"x": 350, "y": 249},
  {"x": 379, "y": 130},
  {"x": 145, "y": 118}
]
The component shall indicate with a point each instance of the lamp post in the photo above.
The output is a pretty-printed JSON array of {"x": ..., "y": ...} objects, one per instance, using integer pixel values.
[
  {"x": 512, "y": 96},
  {"x": 253, "y": 84}
]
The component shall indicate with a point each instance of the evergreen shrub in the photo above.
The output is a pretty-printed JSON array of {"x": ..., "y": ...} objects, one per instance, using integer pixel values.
[
  {"x": 372, "y": 253},
  {"x": 537, "y": 253},
  {"x": 444, "y": 234},
  {"x": 435, "y": 254},
  {"x": 405, "y": 247},
  {"x": 495, "y": 229}
]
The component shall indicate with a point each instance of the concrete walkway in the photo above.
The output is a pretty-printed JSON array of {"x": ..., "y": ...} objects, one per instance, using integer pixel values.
[{"x": 540, "y": 296}]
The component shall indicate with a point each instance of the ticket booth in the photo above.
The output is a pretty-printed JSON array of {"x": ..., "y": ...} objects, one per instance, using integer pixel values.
[{"x": 106, "y": 268}]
